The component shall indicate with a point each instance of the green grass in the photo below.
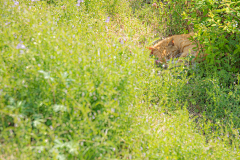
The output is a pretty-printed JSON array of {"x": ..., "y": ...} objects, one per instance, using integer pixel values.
[{"x": 73, "y": 86}]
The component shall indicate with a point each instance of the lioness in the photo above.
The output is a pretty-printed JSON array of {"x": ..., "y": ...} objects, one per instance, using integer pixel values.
[{"x": 176, "y": 46}]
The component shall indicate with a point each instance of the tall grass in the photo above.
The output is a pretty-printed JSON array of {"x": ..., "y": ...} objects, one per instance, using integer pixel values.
[{"x": 76, "y": 82}]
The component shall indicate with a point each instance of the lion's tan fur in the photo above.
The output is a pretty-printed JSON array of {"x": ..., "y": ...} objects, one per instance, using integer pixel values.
[{"x": 172, "y": 46}]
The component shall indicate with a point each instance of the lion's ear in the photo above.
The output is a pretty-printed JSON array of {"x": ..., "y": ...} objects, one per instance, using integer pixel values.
[{"x": 171, "y": 43}]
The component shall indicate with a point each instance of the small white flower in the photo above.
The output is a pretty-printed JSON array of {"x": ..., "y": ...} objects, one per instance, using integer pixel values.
[
  {"x": 113, "y": 109},
  {"x": 57, "y": 108}
]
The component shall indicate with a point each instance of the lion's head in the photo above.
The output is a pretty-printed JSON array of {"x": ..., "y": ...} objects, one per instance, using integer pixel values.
[{"x": 164, "y": 50}]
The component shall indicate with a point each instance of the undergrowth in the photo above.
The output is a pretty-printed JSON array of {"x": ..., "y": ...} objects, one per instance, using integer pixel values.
[{"x": 76, "y": 82}]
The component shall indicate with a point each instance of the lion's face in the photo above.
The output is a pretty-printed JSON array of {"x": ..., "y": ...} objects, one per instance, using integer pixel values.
[{"x": 164, "y": 50}]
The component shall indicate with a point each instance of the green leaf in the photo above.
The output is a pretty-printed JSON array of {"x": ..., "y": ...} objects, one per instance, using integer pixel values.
[
  {"x": 205, "y": 12},
  {"x": 204, "y": 19},
  {"x": 189, "y": 22},
  {"x": 236, "y": 51}
]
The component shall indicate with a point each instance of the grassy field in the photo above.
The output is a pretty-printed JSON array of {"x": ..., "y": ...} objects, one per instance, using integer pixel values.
[{"x": 77, "y": 82}]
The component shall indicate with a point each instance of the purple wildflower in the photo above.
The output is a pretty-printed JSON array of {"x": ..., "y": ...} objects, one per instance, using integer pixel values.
[
  {"x": 20, "y": 46},
  {"x": 157, "y": 62},
  {"x": 79, "y": 1},
  {"x": 16, "y": 3},
  {"x": 107, "y": 20},
  {"x": 7, "y": 23}
]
